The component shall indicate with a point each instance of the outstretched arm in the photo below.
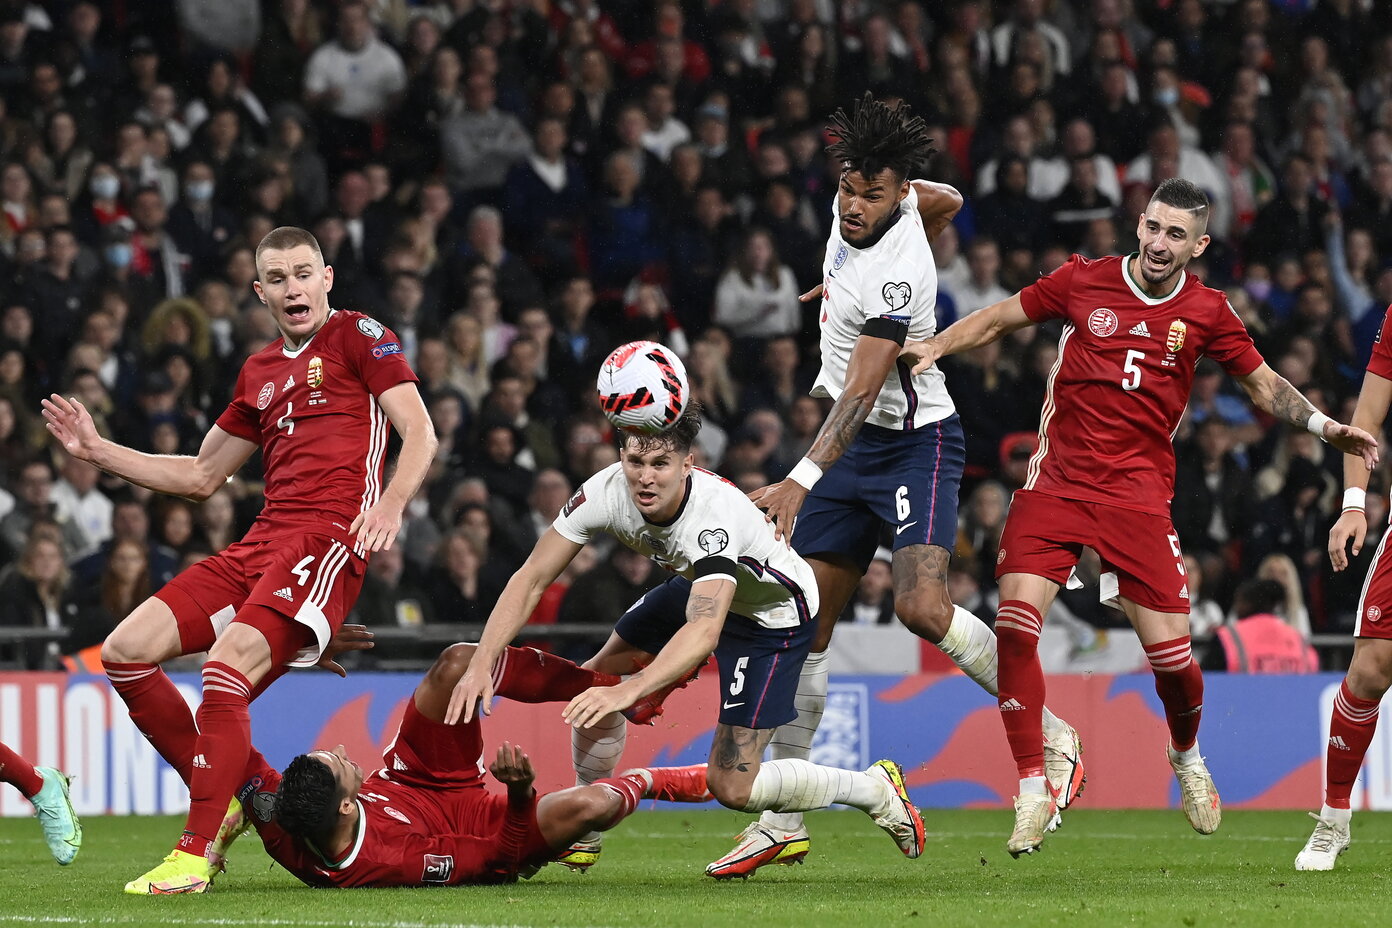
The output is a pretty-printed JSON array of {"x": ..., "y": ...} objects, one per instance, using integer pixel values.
[
  {"x": 519, "y": 598},
  {"x": 872, "y": 359},
  {"x": 706, "y": 608},
  {"x": 1272, "y": 393},
  {"x": 219, "y": 457},
  {"x": 980, "y": 328}
]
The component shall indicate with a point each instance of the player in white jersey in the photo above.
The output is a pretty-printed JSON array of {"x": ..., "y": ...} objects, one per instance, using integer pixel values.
[
  {"x": 891, "y": 450},
  {"x": 751, "y": 600}
]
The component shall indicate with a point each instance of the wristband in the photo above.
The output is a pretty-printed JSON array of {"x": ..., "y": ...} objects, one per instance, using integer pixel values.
[
  {"x": 805, "y": 473},
  {"x": 1317, "y": 423},
  {"x": 1355, "y": 498}
]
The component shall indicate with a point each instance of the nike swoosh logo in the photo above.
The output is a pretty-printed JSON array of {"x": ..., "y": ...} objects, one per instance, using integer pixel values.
[
  {"x": 731, "y": 705},
  {"x": 900, "y": 529}
]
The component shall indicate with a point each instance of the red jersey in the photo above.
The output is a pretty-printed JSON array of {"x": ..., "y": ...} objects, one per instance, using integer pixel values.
[
  {"x": 406, "y": 836},
  {"x": 1381, "y": 361},
  {"x": 1125, "y": 366},
  {"x": 323, "y": 436}
]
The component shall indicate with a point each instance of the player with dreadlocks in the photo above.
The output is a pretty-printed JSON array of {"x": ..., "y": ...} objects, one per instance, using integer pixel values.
[{"x": 891, "y": 451}]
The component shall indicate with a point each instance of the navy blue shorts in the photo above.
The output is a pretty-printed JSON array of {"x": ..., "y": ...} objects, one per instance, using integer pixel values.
[
  {"x": 759, "y": 667},
  {"x": 905, "y": 479}
]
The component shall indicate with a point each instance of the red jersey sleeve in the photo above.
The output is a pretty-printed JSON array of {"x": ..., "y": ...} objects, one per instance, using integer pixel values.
[
  {"x": 1381, "y": 361},
  {"x": 378, "y": 361},
  {"x": 1231, "y": 345},
  {"x": 240, "y": 418},
  {"x": 1047, "y": 297}
]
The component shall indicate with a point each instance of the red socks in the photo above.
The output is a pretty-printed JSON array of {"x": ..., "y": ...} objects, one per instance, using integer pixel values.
[
  {"x": 1021, "y": 684},
  {"x": 158, "y": 710},
  {"x": 1179, "y": 684},
  {"x": 220, "y": 755},
  {"x": 629, "y": 789},
  {"x": 1351, "y": 729},
  {"x": 19, "y": 773},
  {"x": 529, "y": 675}
]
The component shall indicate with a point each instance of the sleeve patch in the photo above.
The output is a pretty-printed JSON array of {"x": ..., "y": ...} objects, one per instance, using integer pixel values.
[
  {"x": 897, "y": 295},
  {"x": 371, "y": 328},
  {"x": 386, "y": 348},
  {"x": 574, "y": 502},
  {"x": 713, "y": 541},
  {"x": 437, "y": 868}
]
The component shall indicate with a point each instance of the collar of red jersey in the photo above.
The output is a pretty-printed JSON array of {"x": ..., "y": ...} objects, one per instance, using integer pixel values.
[
  {"x": 1140, "y": 294},
  {"x": 296, "y": 352},
  {"x": 352, "y": 855}
]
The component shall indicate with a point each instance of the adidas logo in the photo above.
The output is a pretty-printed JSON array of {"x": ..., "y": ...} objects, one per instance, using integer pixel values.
[
  {"x": 1337, "y": 743},
  {"x": 285, "y": 594},
  {"x": 397, "y": 764},
  {"x": 1184, "y": 592},
  {"x": 200, "y": 761},
  {"x": 1011, "y": 705},
  {"x": 1137, "y": 329},
  {"x": 289, "y": 382}
]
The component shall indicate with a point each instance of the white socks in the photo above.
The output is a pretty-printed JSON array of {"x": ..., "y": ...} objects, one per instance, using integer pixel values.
[
  {"x": 1337, "y": 816},
  {"x": 800, "y": 785},
  {"x": 1035, "y": 785},
  {"x": 972, "y": 647},
  {"x": 595, "y": 752},
  {"x": 1189, "y": 756},
  {"x": 794, "y": 740}
]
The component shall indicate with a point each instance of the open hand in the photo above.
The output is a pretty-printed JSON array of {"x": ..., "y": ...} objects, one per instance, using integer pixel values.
[
  {"x": 781, "y": 503},
  {"x": 347, "y": 638}
]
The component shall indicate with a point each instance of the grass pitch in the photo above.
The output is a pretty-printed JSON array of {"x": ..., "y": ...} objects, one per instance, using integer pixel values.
[{"x": 1102, "y": 869}]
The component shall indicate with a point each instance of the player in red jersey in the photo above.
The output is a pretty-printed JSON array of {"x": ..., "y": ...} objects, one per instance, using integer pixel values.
[
  {"x": 1134, "y": 329},
  {"x": 425, "y": 818},
  {"x": 1354, "y": 718},
  {"x": 47, "y": 790},
  {"x": 317, "y": 402}
]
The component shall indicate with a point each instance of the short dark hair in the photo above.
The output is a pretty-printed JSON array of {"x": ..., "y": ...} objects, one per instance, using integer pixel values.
[
  {"x": 307, "y": 800},
  {"x": 877, "y": 136},
  {"x": 284, "y": 237},
  {"x": 1185, "y": 195},
  {"x": 679, "y": 438}
]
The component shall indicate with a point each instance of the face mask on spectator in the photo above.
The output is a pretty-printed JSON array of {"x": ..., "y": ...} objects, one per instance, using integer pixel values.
[
  {"x": 1258, "y": 290},
  {"x": 105, "y": 186},
  {"x": 118, "y": 255},
  {"x": 199, "y": 191},
  {"x": 1167, "y": 96}
]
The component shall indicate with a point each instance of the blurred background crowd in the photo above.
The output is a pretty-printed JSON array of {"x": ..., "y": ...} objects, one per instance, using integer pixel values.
[{"x": 518, "y": 186}]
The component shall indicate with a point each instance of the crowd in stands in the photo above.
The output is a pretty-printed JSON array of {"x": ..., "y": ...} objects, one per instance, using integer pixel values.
[{"x": 517, "y": 186}]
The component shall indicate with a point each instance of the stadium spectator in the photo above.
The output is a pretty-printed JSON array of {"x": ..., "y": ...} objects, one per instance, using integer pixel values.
[
  {"x": 872, "y": 603},
  {"x": 1260, "y": 640},
  {"x": 123, "y": 585},
  {"x": 35, "y": 504},
  {"x": 35, "y": 592},
  {"x": 480, "y": 143}
]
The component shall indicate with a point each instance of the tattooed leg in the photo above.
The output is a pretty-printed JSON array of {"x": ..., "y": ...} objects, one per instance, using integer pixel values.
[
  {"x": 734, "y": 762},
  {"x": 920, "y": 591}
]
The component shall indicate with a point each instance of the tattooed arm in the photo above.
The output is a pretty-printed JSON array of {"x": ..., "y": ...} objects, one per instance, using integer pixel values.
[
  {"x": 1272, "y": 393},
  {"x": 871, "y": 361},
  {"x": 706, "y": 608}
]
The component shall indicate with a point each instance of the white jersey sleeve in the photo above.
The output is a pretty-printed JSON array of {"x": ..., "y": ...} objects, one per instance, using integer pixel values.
[{"x": 587, "y": 514}]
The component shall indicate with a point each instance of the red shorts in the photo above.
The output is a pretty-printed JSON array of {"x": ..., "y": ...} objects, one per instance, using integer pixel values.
[
  {"x": 312, "y": 580},
  {"x": 1375, "y": 605},
  {"x": 1141, "y": 560},
  {"x": 443, "y": 766}
]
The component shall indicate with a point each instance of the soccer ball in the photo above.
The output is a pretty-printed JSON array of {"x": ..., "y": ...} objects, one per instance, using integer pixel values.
[{"x": 642, "y": 387}]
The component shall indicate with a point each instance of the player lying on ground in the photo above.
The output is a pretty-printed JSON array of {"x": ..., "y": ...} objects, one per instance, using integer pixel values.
[
  {"x": 319, "y": 402},
  {"x": 425, "y": 818},
  {"x": 47, "y": 789},
  {"x": 753, "y": 601},
  {"x": 1134, "y": 330},
  {"x": 1354, "y": 719}
]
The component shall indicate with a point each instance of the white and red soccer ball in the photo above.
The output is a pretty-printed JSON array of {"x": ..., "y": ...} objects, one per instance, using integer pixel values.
[{"x": 642, "y": 387}]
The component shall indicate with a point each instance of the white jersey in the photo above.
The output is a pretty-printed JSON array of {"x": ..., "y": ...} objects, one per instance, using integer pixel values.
[
  {"x": 717, "y": 532},
  {"x": 896, "y": 279}
]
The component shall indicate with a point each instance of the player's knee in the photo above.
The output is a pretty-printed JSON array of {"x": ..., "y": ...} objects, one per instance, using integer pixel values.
[
  {"x": 594, "y": 808},
  {"x": 1370, "y": 680},
  {"x": 927, "y": 615},
  {"x": 123, "y": 646},
  {"x": 451, "y": 664},
  {"x": 729, "y": 787}
]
